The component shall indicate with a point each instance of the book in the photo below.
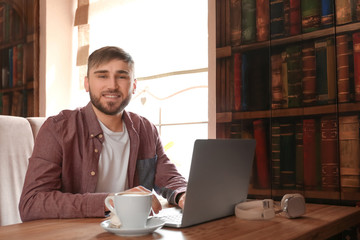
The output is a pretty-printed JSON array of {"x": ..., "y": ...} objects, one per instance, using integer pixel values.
[
  {"x": 310, "y": 156},
  {"x": 218, "y": 85},
  {"x": 329, "y": 162},
  {"x": 276, "y": 81},
  {"x": 235, "y": 22},
  {"x": 14, "y": 65},
  {"x": 325, "y": 70},
  {"x": 349, "y": 153},
  {"x": 237, "y": 81},
  {"x": 260, "y": 80},
  {"x": 343, "y": 12},
  {"x": 18, "y": 65},
  {"x": 284, "y": 80},
  {"x": 248, "y": 21},
  {"x": 261, "y": 154},
  {"x": 327, "y": 13},
  {"x": 321, "y": 71},
  {"x": 11, "y": 72},
  {"x": 262, "y": 20},
  {"x": 309, "y": 74},
  {"x": 29, "y": 103},
  {"x": 299, "y": 152},
  {"x": 17, "y": 104},
  {"x": 6, "y": 104},
  {"x": 294, "y": 75},
  {"x": 244, "y": 83},
  {"x": 255, "y": 83},
  {"x": 295, "y": 17},
  {"x": 7, "y": 23},
  {"x": 236, "y": 130},
  {"x": 331, "y": 69},
  {"x": 356, "y": 53},
  {"x": 4, "y": 78},
  {"x": 287, "y": 155},
  {"x": 342, "y": 57},
  {"x": 2, "y": 22},
  {"x": 275, "y": 154},
  {"x": 356, "y": 8},
  {"x": 286, "y": 13},
  {"x": 229, "y": 92},
  {"x": 276, "y": 19},
  {"x": 311, "y": 15}
]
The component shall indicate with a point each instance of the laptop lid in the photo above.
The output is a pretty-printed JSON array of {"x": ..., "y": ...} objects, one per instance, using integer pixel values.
[{"x": 218, "y": 180}]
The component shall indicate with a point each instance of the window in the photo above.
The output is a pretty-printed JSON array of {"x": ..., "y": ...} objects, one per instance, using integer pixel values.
[
  {"x": 168, "y": 40},
  {"x": 177, "y": 105}
]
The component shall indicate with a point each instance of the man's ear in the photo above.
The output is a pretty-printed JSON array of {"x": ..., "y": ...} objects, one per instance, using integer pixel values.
[
  {"x": 86, "y": 83},
  {"x": 134, "y": 85}
]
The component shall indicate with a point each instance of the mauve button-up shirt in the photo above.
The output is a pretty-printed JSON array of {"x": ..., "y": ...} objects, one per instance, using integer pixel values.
[{"x": 62, "y": 174}]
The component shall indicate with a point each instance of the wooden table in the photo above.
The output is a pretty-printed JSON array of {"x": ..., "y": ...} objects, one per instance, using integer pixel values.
[{"x": 319, "y": 222}]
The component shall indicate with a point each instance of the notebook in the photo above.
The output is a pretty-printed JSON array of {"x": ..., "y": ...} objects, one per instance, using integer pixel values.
[{"x": 219, "y": 178}]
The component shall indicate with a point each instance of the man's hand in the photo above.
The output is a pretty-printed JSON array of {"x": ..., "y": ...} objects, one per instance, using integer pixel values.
[
  {"x": 181, "y": 202},
  {"x": 156, "y": 206}
]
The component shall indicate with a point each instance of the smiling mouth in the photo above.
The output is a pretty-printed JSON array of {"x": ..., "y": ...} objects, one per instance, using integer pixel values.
[{"x": 111, "y": 95}]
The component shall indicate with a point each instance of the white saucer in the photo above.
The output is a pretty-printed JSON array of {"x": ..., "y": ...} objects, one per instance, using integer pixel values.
[{"x": 151, "y": 225}]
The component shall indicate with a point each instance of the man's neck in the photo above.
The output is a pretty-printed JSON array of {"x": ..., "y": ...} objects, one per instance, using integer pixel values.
[{"x": 112, "y": 122}]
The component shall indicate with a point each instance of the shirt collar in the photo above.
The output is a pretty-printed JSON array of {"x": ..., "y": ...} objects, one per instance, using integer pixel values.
[{"x": 93, "y": 123}]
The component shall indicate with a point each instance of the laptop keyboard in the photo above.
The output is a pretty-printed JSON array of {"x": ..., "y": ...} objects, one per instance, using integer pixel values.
[{"x": 170, "y": 216}]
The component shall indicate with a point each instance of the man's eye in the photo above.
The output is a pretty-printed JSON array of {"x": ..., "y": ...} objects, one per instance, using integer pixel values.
[{"x": 101, "y": 76}]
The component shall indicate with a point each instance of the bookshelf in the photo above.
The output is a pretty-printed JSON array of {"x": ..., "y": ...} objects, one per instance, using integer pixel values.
[
  {"x": 19, "y": 57},
  {"x": 284, "y": 75}
]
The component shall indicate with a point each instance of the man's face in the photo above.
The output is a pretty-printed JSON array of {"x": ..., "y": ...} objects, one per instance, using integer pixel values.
[{"x": 111, "y": 86}]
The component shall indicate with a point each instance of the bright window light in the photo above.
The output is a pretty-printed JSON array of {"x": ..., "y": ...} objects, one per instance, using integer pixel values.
[{"x": 168, "y": 40}]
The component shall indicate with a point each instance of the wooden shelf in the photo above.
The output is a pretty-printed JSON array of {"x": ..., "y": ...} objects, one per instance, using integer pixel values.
[
  {"x": 223, "y": 117},
  {"x": 350, "y": 196},
  {"x": 251, "y": 115},
  {"x": 28, "y": 86},
  {"x": 289, "y": 112},
  {"x": 225, "y": 52},
  {"x": 278, "y": 193}
]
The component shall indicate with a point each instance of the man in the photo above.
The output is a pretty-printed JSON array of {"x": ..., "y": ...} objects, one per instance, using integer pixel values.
[{"x": 81, "y": 156}]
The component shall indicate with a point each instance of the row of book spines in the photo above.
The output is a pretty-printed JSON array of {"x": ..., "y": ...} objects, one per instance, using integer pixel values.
[
  {"x": 10, "y": 24},
  {"x": 12, "y": 67},
  {"x": 304, "y": 154},
  {"x": 17, "y": 103},
  {"x": 224, "y": 85},
  {"x": 260, "y": 20},
  {"x": 305, "y": 75}
]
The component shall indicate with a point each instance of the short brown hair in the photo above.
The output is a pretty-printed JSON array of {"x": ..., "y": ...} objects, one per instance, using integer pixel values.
[{"x": 106, "y": 54}]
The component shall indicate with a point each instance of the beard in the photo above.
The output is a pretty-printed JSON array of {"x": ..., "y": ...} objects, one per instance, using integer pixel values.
[{"x": 110, "y": 108}]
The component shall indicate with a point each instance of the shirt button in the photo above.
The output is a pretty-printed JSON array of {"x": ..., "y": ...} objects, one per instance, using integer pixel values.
[
  {"x": 92, "y": 135},
  {"x": 92, "y": 173},
  {"x": 100, "y": 135},
  {"x": 96, "y": 150}
]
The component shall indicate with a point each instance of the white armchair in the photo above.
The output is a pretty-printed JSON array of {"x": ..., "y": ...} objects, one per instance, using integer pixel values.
[{"x": 16, "y": 145}]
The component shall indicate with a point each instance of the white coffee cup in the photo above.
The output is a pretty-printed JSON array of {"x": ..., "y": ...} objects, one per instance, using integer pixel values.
[{"x": 132, "y": 208}]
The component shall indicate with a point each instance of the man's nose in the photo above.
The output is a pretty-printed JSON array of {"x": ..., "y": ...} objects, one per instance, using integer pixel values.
[{"x": 113, "y": 84}]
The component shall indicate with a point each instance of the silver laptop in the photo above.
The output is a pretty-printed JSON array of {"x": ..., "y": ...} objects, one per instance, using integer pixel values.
[{"x": 218, "y": 180}]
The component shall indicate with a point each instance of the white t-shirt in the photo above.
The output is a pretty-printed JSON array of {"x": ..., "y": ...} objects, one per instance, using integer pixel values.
[{"x": 114, "y": 160}]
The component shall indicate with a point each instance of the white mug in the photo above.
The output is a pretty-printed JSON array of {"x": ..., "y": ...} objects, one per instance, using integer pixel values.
[{"x": 132, "y": 208}]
